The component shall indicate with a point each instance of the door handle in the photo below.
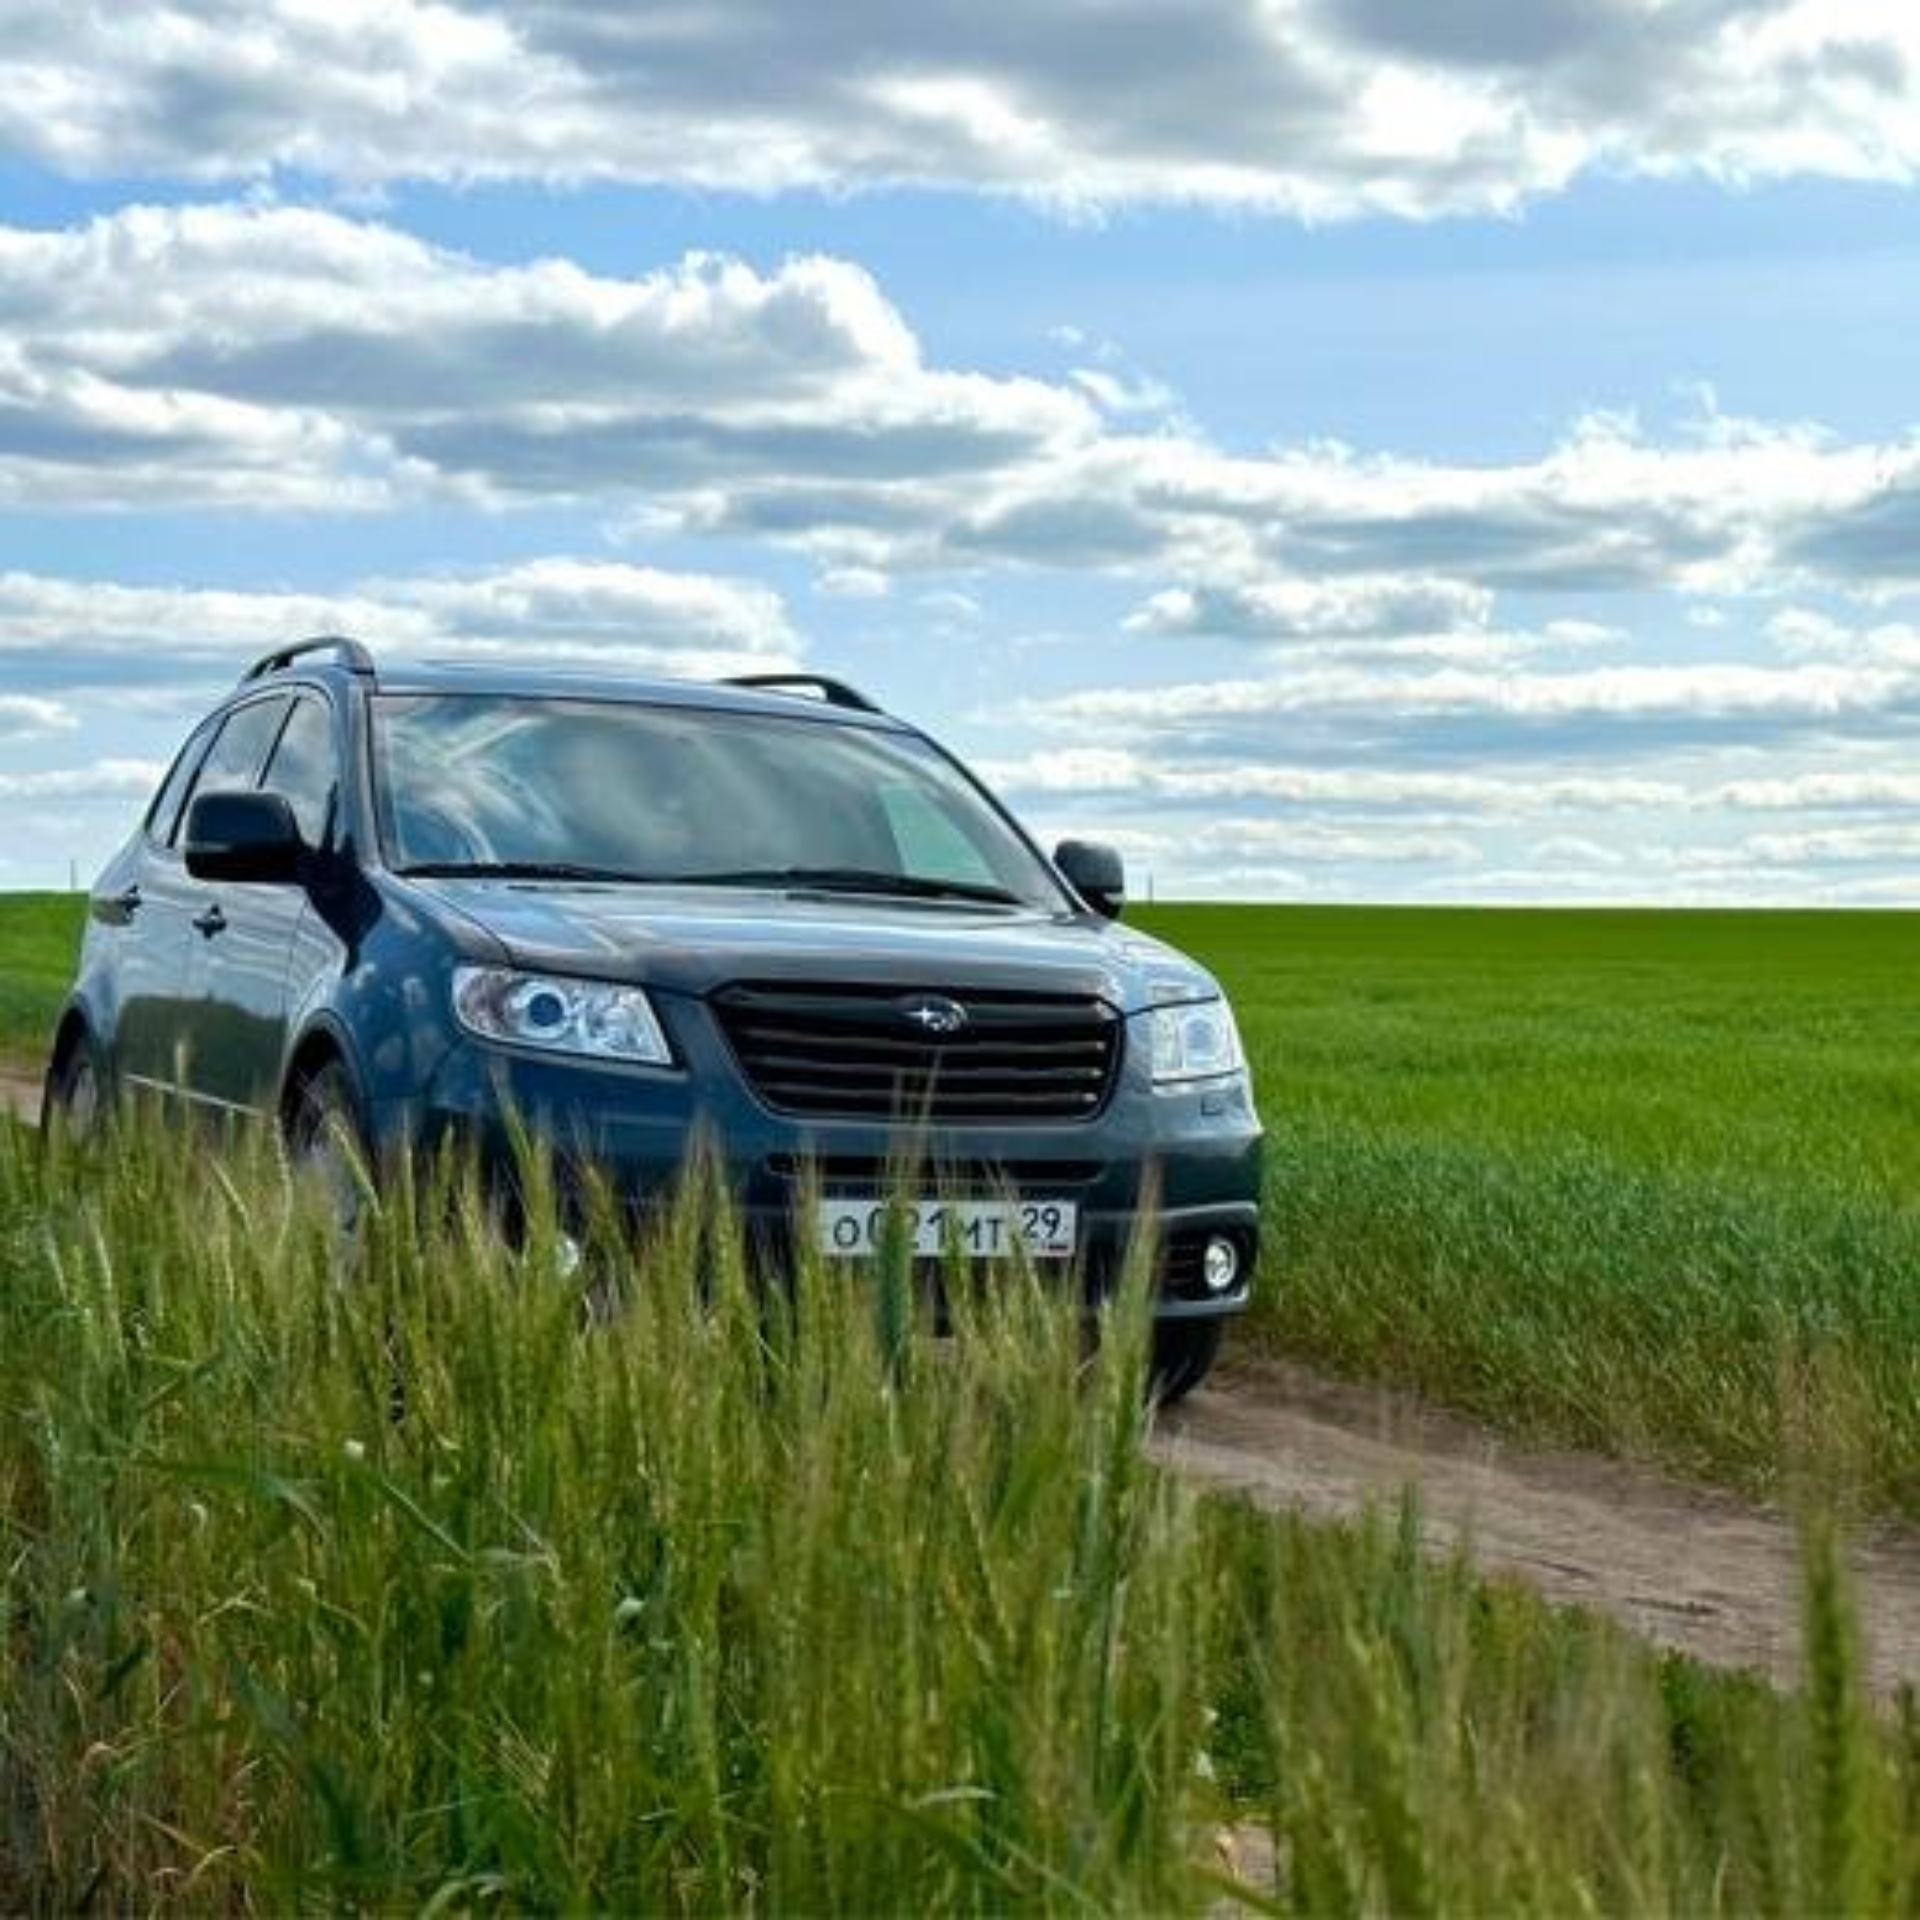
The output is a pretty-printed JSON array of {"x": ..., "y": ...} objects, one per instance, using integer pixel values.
[
  {"x": 212, "y": 921},
  {"x": 115, "y": 909}
]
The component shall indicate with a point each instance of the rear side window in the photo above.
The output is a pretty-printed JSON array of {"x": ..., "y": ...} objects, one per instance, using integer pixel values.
[
  {"x": 164, "y": 815},
  {"x": 303, "y": 769},
  {"x": 239, "y": 750}
]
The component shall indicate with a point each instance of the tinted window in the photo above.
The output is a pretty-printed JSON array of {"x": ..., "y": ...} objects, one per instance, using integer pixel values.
[
  {"x": 666, "y": 793},
  {"x": 303, "y": 768},
  {"x": 164, "y": 815},
  {"x": 235, "y": 758},
  {"x": 927, "y": 841}
]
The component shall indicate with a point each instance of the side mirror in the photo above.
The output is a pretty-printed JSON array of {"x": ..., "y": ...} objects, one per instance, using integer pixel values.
[
  {"x": 1096, "y": 873},
  {"x": 243, "y": 836}
]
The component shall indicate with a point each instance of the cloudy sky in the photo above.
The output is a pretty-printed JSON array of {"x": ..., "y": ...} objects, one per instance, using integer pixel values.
[{"x": 1336, "y": 449}]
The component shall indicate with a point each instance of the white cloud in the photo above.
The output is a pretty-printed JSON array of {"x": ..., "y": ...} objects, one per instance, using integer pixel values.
[
  {"x": 1261, "y": 545},
  {"x": 1122, "y": 773},
  {"x": 1669, "y": 864},
  {"x": 1321, "y": 844},
  {"x": 1623, "y": 783},
  {"x": 1116, "y": 393},
  {"x": 1581, "y": 633},
  {"x": 1801, "y": 630},
  {"x": 24, "y": 717},
  {"x": 1822, "y": 791},
  {"x": 1320, "y": 108},
  {"x": 1607, "y": 699},
  {"x": 336, "y": 361},
  {"x": 602, "y": 611},
  {"x": 1375, "y": 606},
  {"x": 70, "y": 437},
  {"x": 950, "y": 609},
  {"x": 70, "y": 633},
  {"x": 279, "y": 358},
  {"x": 1816, "y": 636},
  {"x": 1894, "y": 843},
  {"x": 104, "y": 780},
  {"x": 852, "y": 583},
  {"x": 1561, "y": 852}
]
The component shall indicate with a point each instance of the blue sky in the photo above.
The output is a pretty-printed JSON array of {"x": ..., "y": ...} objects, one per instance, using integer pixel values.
[{"x": 1334, "y": 449}]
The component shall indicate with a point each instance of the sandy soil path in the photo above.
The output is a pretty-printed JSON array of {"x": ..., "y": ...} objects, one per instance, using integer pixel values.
[
  {"x": 1688, "y": 1567},
  {"x": 20, "y": 1093}
]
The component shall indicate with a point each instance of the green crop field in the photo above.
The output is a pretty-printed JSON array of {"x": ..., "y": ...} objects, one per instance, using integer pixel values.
[
  {"x": 1642, "y": 1181},
  {"x": 39, "y": 934},
  {"x": 418, "y": 1586},
  {"x": 1647, "y": 1182}
]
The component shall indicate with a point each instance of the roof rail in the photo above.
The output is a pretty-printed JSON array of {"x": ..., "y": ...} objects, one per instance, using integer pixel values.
[
  {"x": 352, "y": 655},
  {"x": 836, "y": 693}
]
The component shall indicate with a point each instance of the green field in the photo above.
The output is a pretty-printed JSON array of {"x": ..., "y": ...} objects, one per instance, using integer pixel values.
[
  {"x": 425, "y": 1589},
  {"x": 1648, "y": 1182},
  {"x": 39, "y": 934},
  {"x": 1641, "y": 1181}
]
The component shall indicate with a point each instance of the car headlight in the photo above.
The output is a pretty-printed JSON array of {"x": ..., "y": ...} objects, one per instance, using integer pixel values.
[
  {"x": 1196, "y": 1040},
  {"x": 558, "y": 1015}
]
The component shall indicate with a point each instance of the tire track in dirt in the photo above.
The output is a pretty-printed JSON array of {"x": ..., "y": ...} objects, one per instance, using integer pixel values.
[{"x": 1688, "y": 1567}]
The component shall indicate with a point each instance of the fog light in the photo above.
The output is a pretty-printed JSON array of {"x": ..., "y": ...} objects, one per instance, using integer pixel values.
[{"x": 1221, "y": 1267}]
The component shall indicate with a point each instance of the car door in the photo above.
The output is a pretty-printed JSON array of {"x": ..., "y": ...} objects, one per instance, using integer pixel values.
[
  {"x": 139, "y": 912},
  {"x": 218, "y": 973}
]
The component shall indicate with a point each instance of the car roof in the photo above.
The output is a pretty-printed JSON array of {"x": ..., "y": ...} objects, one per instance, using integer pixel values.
[{"x": 509, "y": 680}]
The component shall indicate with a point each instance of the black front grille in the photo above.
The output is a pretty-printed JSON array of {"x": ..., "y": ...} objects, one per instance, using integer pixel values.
[
  {"x": 854, "y": 1053},
  {"x": 860, "y": 1174}
]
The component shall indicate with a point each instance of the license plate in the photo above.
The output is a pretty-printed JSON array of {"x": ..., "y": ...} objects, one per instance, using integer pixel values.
[{"x": 979, "y": 1229}]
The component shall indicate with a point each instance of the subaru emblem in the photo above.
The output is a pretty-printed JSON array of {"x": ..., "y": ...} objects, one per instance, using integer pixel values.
[{"x": 934, "y": 1013}]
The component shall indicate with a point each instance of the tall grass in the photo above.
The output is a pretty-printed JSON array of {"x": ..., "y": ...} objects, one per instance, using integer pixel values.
[
  {"x": 1422, "y": 1743},
  {"x": 432, "y": 1586},
  {"x": 475, "y": 1578}
]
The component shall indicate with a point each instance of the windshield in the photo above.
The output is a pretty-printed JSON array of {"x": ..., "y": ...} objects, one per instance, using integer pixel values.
[{"x": 599, "y": 789}]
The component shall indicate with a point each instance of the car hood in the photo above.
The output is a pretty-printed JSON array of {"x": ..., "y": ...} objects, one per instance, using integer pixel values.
[{"x": 694, "y": 939}]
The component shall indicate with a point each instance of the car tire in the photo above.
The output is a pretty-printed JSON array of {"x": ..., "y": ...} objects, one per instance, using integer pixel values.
[
  {"x": 1183, "y": 1353},
  {"x": 327, "y": 1144},
  {"x": 76, "y": 1097}
]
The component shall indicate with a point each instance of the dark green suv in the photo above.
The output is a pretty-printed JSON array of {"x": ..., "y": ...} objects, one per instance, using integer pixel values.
[{"x": 410, "y": 902}]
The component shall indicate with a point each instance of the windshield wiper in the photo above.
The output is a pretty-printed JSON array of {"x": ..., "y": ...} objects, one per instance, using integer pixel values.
[
  {"x": 903, "y": 886},
  {"x": 521, "y": 870}
]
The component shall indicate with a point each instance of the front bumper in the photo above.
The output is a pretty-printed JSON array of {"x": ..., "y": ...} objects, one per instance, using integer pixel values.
[{"x": 1183, "y": 1165}]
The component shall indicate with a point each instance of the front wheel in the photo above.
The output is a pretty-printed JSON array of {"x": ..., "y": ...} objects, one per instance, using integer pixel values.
[
  {"x": 75, "y": 1097},
  {"x": 327, "y": 1146},
  {"x": 1183, "y": 1351}
]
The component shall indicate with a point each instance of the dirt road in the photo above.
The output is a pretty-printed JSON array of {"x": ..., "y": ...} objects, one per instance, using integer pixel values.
[
  {"x": 1692, "y": 1569},
  {"x": 20, "y": 1094},
  {"x": 1688, "y": 1567}
]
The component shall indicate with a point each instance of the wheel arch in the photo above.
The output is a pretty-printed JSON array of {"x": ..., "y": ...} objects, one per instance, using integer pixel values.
[
  {"x": 73, "y": 1026},
  {"x": 76, "y": 1035},
  {"x": 320, "y": 1046}
]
